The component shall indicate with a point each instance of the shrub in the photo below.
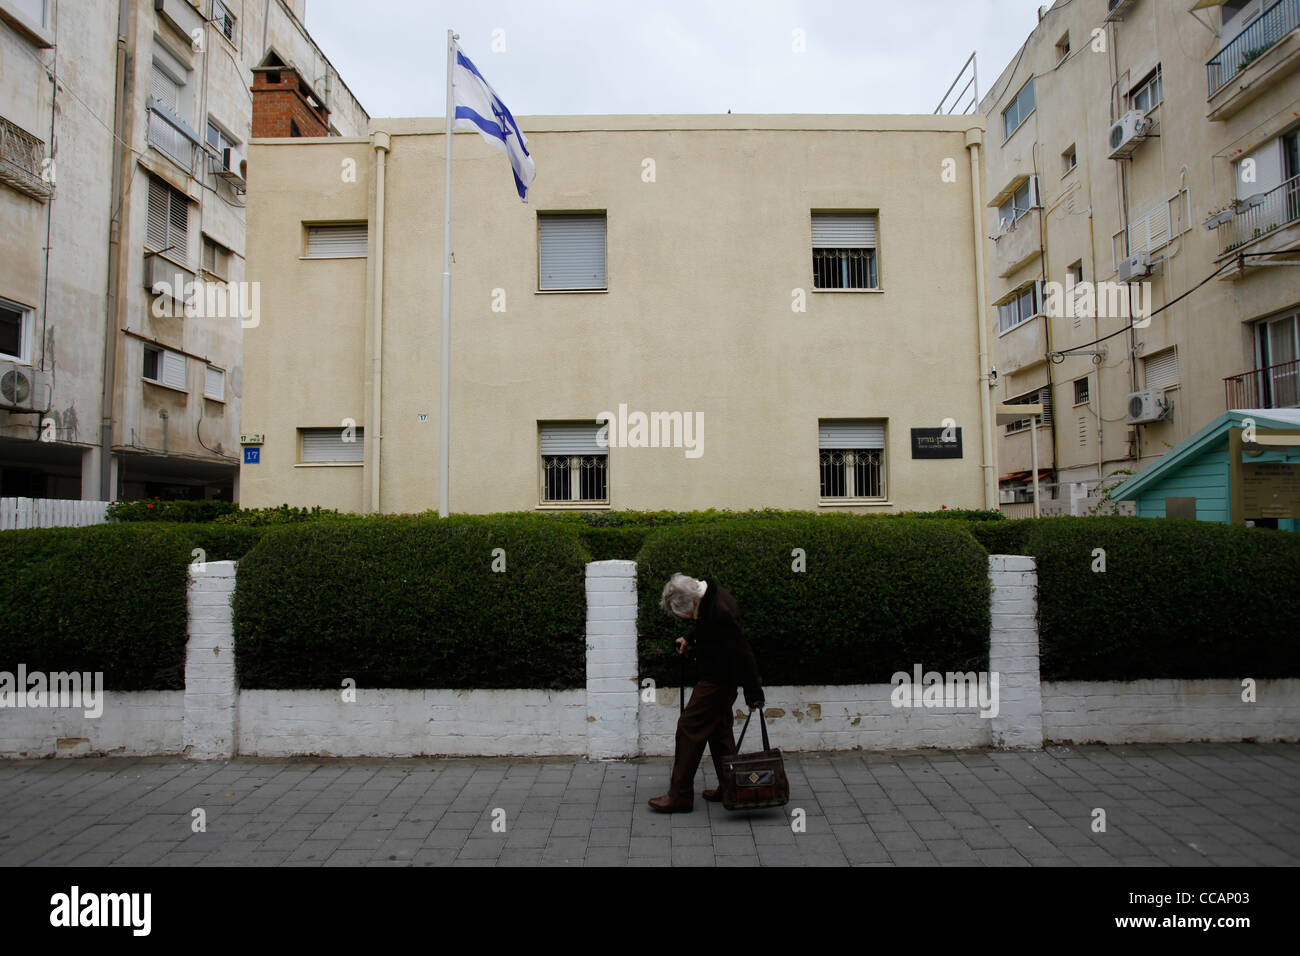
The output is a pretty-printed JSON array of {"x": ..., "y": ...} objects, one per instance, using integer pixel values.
[
  {"x": 260, "y": 517},
  {"x": 107, "y": 598},
  {"x": 1003, "y": 537},
  {"x": 413, "y": 602},
  {"x": 878, "y": 596},
  {"x": 186, "y": 511},
  {"x": 1177, "y": 599}
]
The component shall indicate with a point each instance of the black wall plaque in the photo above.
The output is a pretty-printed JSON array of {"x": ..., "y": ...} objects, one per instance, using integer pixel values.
[{"x": 929, "y": 443}]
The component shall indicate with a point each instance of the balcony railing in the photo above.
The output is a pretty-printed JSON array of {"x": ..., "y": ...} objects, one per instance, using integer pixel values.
[
  {"x": 1251, "y": 43},
  {"x": 171, "y": 137},
  {"x": 1261, "y": 214},
  {"x": 1277, "y": 386}
]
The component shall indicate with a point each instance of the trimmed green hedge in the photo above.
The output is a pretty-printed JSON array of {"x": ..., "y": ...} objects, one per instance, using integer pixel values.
[
  {"x": 413, "y": 602},
  {"x": 1177, "y": 599},
  {"x": 175, "y": 511},
  {"x": 1004, "y": 537},
  {"x": 878, "y": 595},
  {"x": 108, "y": 598}
]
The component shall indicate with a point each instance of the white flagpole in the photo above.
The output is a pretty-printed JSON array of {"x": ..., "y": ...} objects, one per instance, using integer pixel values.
[{"x": 444, "y": 379}]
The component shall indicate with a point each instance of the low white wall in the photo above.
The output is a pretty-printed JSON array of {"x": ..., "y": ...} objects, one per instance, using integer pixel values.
[
  {"x": 133, "y": 723},
  {"x": 412, "y": 723},
  {"x": 847, "y": 717},
  {"x": 1169, "y": 711}
]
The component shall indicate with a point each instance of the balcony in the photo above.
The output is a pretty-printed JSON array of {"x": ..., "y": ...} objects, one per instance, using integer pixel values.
[
  {"x": 1018, "y": 244},
  {"x": 1268, "y": 47},
  {"x": 1277, "y": 386},
  {"x": 170, "y": 136},
  {"x": 1261, "y": 215}
]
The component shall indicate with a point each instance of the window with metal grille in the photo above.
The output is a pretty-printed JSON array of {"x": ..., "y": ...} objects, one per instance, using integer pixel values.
[
  {"x": 343, "y": 241},
  {"x": 1081, "y": 391},
  {"x": 575, "y": 466},
  {"x": 224, "y": 20},
  {"x": 1041, "y": 396},
  {"x": 23, "y": 163},
  {"x": 167, "y": 229},
  {"x": 844, "y": 250},
  {"x": 571, "y": 252},
  {"x": 337, "y": 445},
  {"x": 851, "y": 458}
]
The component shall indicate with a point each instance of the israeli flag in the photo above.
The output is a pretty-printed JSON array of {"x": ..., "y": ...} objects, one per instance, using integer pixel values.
[{"x": 478, "y": 107}]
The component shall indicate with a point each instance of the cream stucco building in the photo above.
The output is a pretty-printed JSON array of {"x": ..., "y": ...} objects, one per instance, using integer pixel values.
[
  {"x": 124, "y": 127},
  {"x": 784, "y": 298},
  {"x": 1143, "y": 148}
]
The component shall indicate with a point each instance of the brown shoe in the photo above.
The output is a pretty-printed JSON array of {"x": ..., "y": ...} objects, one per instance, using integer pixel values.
[
  {"x": 667, "y": 804},
  {"x": 713, "y": 796}
]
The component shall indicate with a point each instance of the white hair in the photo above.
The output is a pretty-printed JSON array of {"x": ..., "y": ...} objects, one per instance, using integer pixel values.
[{"x": 681, "y": 594}]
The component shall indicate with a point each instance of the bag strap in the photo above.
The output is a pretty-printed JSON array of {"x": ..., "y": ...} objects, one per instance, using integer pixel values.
[{"x": 762, "y": 722}]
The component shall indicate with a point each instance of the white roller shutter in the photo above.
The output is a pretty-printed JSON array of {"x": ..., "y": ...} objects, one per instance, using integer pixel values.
[
  {"x": 1150, "y": 231},
  {"x": 862, "y": 433},
  {"x": 844, "y": 230},
  {"x": 214, "y": 384},
  {"x": 165, "y": 90},
  {"x": 1162, "y": 369},
  {"x": 173, "y": 370},
  {"x": 571, "y": 252},
  {"x": 571, "y": 439},
  {"x": 336, "y": 242},
  {"x": 327, "y": 445},
  {"x": 156, "y": 231}
]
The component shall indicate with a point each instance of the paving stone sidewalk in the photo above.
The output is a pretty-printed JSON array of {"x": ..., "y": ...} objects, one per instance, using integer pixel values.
[{"x": 1179, "y": 805}]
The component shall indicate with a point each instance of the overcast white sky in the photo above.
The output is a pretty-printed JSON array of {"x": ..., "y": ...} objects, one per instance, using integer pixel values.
[{"x": 671, "y": 56}]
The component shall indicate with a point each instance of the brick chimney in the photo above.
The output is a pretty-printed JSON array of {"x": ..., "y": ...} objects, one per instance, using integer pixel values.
[{"x": 284, "y": 104}]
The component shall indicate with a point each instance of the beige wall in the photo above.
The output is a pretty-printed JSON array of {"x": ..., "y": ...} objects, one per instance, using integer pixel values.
[
  {"x": 701, "y": 265},
  {"x": 1084, "y": 209}
]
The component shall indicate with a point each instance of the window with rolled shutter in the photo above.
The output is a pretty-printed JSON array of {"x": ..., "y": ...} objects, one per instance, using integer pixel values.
[
  {"x": 343, "y": 241},
  {"x": 173, "y": 370},
  {"x": 168, "y": 221},
  {"x": 571, "y": 252},
  {"x": 1162, "y": 369},
  {"x": 332, "y": 445},
  {"x": 575, "y": 465},
  {"x": 165, "y": 90},
  {"x": 851, "y": 458},
  {"x": 214, "y": 383},
  {"x": 844, "y": 250}
]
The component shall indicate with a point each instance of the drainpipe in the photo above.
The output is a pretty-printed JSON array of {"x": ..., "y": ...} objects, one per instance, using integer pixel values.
[
  {"x": 974, "y": 138},
  {"x": 374, "y": 411},
  {"x": 118, "y": 201}
]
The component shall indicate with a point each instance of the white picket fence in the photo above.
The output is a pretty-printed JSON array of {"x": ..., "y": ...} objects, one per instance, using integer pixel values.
[{"x": 18, "y": 513}]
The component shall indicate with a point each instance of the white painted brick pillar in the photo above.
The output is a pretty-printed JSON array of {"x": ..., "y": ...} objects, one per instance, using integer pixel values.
[
  {"x": 611, "y": 660},
  {"x": 1013, "y": 652},
  {"x": 211, "y": 695}
]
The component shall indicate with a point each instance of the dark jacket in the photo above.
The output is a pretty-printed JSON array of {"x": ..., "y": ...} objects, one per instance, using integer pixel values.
[{"x": 721, "y": 650}]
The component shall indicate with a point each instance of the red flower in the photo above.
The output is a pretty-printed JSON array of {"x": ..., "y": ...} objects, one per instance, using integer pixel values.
[{"x": 148, "y": 506}]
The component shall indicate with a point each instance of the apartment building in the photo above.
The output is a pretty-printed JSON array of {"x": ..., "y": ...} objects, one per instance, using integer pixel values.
[
  {"x": 689, "y": 312},
  {"x": 123, "y": 294},
  {"x": 1143, "y": 215}
]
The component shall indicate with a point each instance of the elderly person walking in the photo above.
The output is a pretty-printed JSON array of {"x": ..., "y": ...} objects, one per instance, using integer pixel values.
[{"x": 725, "y": 661}]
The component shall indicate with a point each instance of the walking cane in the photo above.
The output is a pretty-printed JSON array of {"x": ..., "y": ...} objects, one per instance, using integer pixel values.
[{"x": 681, "y": 694}]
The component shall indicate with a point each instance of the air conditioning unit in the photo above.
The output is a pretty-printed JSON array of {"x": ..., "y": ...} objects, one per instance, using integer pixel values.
[
  {"x": 1006, "y": 496},
  {"x": 1146, "y": 406},
  {"x": 166, "y": 278},
  {"x": 1126, "y": 133},
  {"x": 1135, "y": 267},
  {"x": 229, "y": 167},
  {"x": 23, "y": 387}
]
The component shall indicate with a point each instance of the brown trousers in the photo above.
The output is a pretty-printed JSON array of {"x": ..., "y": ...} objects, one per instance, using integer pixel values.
[{"x": 706, "y": 720}]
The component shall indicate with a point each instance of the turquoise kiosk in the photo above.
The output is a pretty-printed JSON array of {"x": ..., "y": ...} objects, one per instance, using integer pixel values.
[{"x": 1243, "y": 467}]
